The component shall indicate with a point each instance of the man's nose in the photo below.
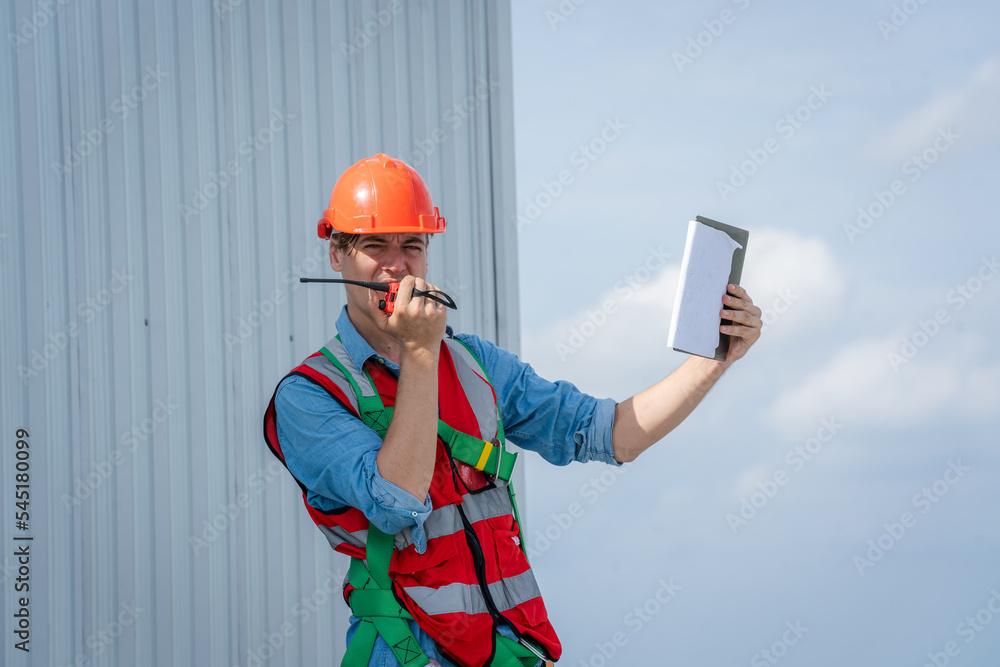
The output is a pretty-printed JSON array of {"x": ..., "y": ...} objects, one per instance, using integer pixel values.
[{"x": 394, "y": 259}]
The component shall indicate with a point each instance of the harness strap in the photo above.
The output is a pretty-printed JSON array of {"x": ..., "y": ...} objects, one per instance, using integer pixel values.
[
  {"x": 489, "y": 457},
  {"x": 381, "y": 614}
]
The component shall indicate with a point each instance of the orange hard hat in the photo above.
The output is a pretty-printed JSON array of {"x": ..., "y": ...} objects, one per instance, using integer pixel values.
[{"x": 380, "y": 195}]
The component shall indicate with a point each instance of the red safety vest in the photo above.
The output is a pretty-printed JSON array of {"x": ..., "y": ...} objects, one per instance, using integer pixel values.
[{"x": 474, "y": 571}]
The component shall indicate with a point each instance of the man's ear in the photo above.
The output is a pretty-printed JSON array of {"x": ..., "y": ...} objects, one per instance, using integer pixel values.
[{"x": 336, "y": 258}]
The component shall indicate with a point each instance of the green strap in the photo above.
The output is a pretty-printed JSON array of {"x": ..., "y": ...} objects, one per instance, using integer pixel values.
[
  {"x": 376, "y": 602},
  {"x": 517, "y": 518},
  {"x": 373, "y": 411},
  {"x": 490, "y": 457},
  {"x": 381, "y": 614}
]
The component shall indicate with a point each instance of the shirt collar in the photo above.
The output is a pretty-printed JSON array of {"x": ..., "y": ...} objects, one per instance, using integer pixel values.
[{"x": 359, "y": 349}]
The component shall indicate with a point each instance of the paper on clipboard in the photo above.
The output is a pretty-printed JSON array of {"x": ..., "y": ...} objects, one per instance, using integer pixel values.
[{"x": 713, "y": 258}]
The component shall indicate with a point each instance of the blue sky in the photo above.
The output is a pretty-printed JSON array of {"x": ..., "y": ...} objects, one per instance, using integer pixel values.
[{"x": 913, "y": 109}]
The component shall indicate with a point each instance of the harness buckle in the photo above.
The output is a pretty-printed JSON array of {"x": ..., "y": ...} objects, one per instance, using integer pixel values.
[
  {"x": 484, "y": 457},
  {"x": 496, "y": 443}
]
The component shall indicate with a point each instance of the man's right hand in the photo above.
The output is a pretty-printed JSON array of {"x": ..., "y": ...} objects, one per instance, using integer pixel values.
[{"x": 416, "y": 322}]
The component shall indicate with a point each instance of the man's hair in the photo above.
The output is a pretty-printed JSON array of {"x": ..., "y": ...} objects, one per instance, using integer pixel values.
[{"x": 345, "y": 242}]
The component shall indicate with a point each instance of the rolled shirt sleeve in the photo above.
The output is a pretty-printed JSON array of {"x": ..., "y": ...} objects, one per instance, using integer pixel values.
[
  {"x": 555, "y": 419},
  {"x": 334, "y": 455}
]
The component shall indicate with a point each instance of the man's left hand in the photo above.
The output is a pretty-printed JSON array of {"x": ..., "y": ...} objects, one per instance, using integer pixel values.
[{"x": 746, "y": 322}]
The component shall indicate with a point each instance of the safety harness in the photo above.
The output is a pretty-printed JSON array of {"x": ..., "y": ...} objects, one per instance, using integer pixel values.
[{"x": 372, "y": 599}]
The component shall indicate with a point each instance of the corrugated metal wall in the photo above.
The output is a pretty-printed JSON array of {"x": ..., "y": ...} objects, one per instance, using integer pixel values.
[{"x": 162, "y": 167}]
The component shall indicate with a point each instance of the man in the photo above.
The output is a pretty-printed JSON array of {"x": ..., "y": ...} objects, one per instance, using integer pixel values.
[{"x": 395, "y": 432}]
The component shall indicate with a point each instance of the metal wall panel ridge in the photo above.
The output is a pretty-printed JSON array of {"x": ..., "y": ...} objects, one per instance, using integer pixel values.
[{"x": 162, "y": 165}]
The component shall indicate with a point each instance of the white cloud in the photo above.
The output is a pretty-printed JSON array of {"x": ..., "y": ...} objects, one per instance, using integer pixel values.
[
  {"x": 972, "y": 109},
  {"x": 859, "y": 386}
]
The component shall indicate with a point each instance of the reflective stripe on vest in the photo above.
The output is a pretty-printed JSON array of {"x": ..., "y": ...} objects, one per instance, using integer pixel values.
[
  {"x": 337, "y": 535},
  {"x": 321, "y": 364},
  {"x": 340, "y": 352},
  {"x": 468, "y": 598}
]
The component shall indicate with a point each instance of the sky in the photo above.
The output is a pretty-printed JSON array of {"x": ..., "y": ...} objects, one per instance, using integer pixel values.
[{"x": 833, "y": 500}]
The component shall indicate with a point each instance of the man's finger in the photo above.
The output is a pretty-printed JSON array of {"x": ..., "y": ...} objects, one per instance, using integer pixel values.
[
  {"x": 741, "y": 316},
  {"x": 738, "y": 298},
  {"x": 750, "y": 334},
  {"x": 735, "y": 302},
  {"x": 433, "y": 304},
  {"x": 404, "y": 294}
]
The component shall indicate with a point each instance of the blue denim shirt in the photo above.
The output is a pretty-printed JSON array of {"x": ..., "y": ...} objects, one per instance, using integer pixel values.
[{"x": 334, "y": 455}]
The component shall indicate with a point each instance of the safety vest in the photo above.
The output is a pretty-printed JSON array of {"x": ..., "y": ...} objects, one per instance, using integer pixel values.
[{"x": 474, "y": 572}]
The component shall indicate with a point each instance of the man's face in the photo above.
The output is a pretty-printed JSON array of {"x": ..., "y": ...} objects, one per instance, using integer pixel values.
[{"x": 380, "y": 258}]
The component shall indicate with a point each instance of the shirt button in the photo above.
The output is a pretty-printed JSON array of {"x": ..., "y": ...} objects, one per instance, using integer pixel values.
[{"x": 414, "y": 514}]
